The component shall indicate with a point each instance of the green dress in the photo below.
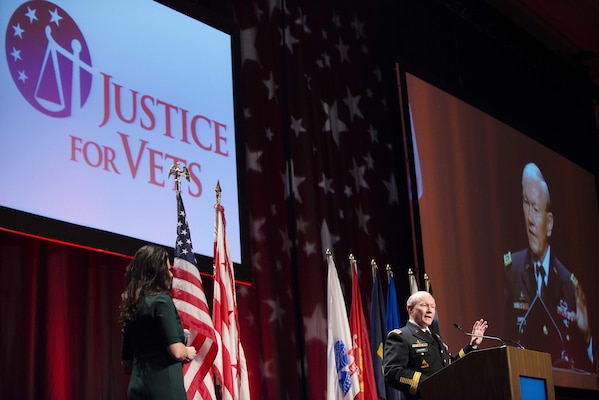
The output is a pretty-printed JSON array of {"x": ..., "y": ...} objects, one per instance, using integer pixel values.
[{"x": 156, "y": 374}]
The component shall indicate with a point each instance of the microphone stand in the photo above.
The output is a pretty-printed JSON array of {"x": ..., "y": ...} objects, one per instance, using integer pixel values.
[{"x": 455, "y": 324}]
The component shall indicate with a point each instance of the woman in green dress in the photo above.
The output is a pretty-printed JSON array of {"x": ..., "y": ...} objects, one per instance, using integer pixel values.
[{"x": 153, "y": 348}]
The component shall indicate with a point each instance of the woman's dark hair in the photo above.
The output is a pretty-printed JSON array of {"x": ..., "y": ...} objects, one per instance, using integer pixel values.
[{"x": 146, "y": 274}]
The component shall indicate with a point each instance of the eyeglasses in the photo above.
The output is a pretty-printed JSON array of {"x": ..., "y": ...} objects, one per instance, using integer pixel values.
[{"x": 426, "y": 305}]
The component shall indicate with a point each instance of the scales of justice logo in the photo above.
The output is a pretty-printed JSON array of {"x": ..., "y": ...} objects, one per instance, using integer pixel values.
[{"x": 48, "y": 58}]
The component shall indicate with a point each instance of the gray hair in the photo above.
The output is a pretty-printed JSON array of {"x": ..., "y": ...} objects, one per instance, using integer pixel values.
[
  {"x": 416, "y": 297},
  {"x": 533, "y": 172}
]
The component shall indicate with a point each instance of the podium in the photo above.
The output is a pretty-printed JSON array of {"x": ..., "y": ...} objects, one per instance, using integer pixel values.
[{"x": 494, "y": 373}]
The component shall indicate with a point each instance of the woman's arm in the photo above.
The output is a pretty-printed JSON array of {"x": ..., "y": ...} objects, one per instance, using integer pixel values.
[{"x": 180, "y": 352}]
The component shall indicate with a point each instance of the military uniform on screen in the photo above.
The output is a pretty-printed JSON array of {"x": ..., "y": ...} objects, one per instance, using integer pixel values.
[
  {"x": 412, "y": 355},
  {"x": 545, "y": 323}
]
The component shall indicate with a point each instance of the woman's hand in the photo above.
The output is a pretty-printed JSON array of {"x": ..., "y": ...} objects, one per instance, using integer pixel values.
[
  {"x": 191, "y": 353},
  {"x": 182, "y": 353}
]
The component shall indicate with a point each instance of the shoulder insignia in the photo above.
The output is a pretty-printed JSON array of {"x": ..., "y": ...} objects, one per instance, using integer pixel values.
[
  {"x": 507, "y": 259},
  {"x": 574, "y": 280},
  {"x": 396, "y": 331}
]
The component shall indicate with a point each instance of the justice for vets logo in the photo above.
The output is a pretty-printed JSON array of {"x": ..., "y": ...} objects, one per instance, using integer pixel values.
[{"x": 48, "y": 58}]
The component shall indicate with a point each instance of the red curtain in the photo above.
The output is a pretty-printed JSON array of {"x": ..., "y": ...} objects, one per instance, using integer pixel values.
[{"x": 59, "y": 321}]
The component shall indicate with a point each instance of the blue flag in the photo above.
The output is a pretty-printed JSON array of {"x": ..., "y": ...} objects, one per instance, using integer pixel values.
[
  {"x": 378, "y": 333},
  {"x": 393, "y": 321}
]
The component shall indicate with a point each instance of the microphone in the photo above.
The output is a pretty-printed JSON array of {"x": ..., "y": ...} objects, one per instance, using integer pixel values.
[
  {"x": 186, "y": 333},
  {"x": 488, "y": 337}
]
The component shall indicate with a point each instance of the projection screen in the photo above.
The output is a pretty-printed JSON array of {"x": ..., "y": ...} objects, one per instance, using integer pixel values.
[
  {"x": 100, "y": 98},
  {"x": 468, "y": 167}
]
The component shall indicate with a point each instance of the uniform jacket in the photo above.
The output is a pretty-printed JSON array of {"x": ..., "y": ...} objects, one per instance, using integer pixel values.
[
  {"x": 528, "y": 317},
  {"x": 412, "y": 355}
]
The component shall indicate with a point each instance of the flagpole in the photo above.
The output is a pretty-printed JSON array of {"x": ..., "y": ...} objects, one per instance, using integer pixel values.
[
  {"x": 187, "y": 296},
  {"x": 374, "y": 268},
  {"x": 427, "y": 284},
  {"x": 177, "y": 171},
  {"x": 413, "y": 282},
  {"x": 329, "y": 255},
  {"x": 352, "y": 262},
  {"x": 389, "y": 273},
  {"x": 218, "y": 190},
  {"x": 231, "y": 365}
]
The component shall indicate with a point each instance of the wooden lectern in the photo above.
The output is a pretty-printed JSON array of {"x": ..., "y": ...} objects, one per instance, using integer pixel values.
[{"x": 495, "y": 373}]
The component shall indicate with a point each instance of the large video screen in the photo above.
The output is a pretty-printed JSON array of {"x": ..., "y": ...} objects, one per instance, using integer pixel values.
[
  {"x": 493, "y": 203},
  {"x": 99, "y": 99}
]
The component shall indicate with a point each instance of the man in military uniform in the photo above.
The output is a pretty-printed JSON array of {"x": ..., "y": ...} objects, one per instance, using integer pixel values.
[
  {"x": 413, "y": 352},
  {"x": 545, "y": 305}
]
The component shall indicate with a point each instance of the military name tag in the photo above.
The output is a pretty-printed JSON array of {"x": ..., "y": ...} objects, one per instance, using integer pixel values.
[{"x": 419, "y": 344}]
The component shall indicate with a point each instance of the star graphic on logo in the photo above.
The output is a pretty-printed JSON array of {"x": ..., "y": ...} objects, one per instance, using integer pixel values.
[
  {"x": 55, "y": 17},
  {"x": 18, "y": 31},
  {"x": 16, "y": 54},
  {"x": 31, "y": 15}
]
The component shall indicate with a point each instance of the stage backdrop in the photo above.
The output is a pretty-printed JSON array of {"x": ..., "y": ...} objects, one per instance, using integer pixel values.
[{"x": 321, "y": 172}]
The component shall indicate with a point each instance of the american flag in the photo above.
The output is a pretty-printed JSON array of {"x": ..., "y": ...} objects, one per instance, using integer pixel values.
[
  {"x": 190, "y": 300},
  {"x": 230, "y": 364}
]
